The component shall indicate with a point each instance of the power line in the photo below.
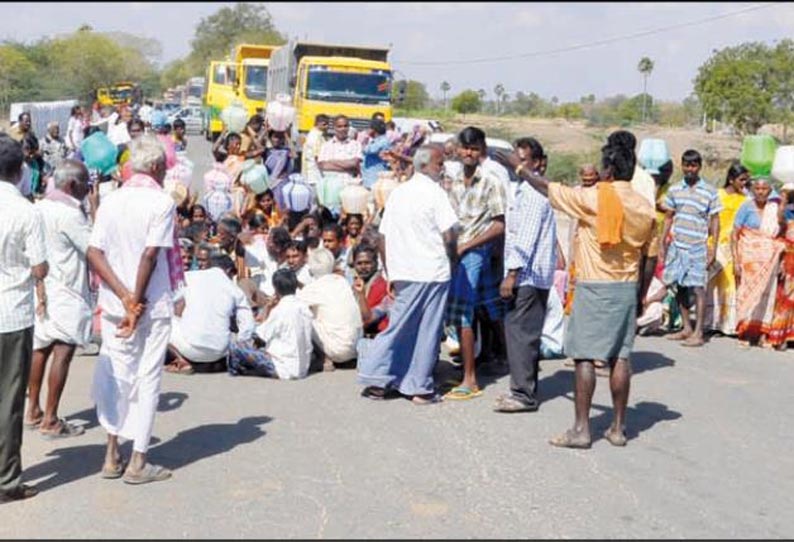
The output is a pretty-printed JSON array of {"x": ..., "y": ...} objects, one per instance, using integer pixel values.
[{"x": 590, "y": 44}]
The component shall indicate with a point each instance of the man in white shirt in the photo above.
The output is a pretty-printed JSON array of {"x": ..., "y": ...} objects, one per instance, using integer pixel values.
[
  {"x": 311, "y": 150},
  {"x": 23, "y": 256},
  {"x": 201, "y": 336},
  {"x": 74, "y": 129},
  {"x": 419, "y": 243},
  {"x": 339, "y": 161},
  {"x": 66, "y": 323},
  {"x": 129, "y": 249},
  {"x": 286, "y": 333},
  {"x": 337, "y": 318}
]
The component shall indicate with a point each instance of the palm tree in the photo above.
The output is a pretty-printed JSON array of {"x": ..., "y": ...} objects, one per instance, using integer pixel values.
[
  {"x": 445, "y": 87},
  {"x": 498, "y": 90},
  {"x": 645, "y": 67}
]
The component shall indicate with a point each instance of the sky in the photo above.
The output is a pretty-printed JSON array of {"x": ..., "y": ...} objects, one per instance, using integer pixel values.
[{"x": 528, "y": 37}]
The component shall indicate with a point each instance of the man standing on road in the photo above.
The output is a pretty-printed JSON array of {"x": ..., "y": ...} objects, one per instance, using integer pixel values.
[
  {"x": 132, "y": 249},
  {"x": 22, "y": 251},
  {"x": 692, "y": 216},
  {"x": 340, "y": 162},
  {"x": 615, "y": 225},
  {"x": 419, "y": 244},
  {"x": 479, "y": 200},
  {"x": 311, "y": 150},
  {"x": 529, "y": 262},
  {"x": 66, "y": 323}
]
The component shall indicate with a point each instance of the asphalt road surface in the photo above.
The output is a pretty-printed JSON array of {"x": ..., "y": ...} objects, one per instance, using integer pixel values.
[{"x": 709, "y": 455}]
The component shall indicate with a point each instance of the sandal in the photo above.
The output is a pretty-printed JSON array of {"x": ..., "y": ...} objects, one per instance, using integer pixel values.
[
  {"x": 463, "y": 393},
  {"x": 64, "y": 430},
  {"x": 149, "y": 473},
  {"x": 114, "y": 473},
  {"x": 429, "y": 399},
  {"x": 569, "y": 439},
  {"x": 375, "y": 393}
]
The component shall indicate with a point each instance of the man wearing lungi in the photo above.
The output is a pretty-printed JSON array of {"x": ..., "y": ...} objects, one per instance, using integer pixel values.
[
  {"x": 419, "y": 243},
  {"x": 615, "y": 225},
  {"x": 133, "y": 250},
  {"x": 692, "y": 214}
]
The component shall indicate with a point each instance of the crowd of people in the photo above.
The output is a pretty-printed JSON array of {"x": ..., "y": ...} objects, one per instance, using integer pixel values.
[{"x": 365, "y": 254}]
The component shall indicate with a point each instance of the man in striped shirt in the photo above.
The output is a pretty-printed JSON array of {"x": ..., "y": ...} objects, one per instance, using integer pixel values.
[{"x": 692, "y": 216}]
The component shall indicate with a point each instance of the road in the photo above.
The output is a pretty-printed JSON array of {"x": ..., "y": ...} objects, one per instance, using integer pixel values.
[{"x": 709, "y": 456}]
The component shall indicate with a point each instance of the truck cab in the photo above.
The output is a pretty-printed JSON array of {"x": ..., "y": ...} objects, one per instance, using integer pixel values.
[
  {"x": 251, "y": 83},
  {"x": 220, "y": 91}
]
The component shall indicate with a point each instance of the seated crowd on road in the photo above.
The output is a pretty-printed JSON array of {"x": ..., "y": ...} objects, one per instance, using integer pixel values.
[{"x": 368, "y": 250}]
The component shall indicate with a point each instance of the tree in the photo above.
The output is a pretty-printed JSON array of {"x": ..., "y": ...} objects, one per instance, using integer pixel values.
[
  {"x": 217, "y": 34},
  {"x": 499, "y": 89},
  {"x": 445, "y": 87},
  {"x": 481, "y": 94},
  {"x": 416, "y": 95},
  {"x": 16, "y": 76},
  {"x": 645, "y": 67},
  {"x": 467, "y": 101},
  {"x": 737, "y": 85},
  {"x": 783, "y": 79}
]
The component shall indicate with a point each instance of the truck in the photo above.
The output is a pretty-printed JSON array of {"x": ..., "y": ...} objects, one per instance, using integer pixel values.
[
  {"x": 331, "y": 79},
  {"x": 121, "y": 93},
  {"x": 219, "y": 92},
  {"x": 251, "y": 84}
]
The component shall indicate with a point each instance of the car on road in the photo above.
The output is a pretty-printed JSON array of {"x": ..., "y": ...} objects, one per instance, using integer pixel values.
[{"x": 193, "y": 117}]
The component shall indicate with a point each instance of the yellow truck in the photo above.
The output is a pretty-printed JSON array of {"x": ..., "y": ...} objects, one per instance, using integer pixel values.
[
  {"x": 220, "y": 91},
  {"x": 120, "y": 93},
  {"x": 331, "y": 79},
  {"x": 251, "y": 85}
]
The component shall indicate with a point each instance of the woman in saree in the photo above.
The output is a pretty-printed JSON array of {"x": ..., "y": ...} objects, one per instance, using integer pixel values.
[
  {"x": 782, "y": 330},
  {"x": 721, "y": 296},
  {"x": 756, "y": 251}
]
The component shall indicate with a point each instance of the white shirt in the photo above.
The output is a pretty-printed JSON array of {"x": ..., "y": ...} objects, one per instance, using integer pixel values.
[
  {"x": 643, "y": 184},
  {"x": 127, "y": 222},
  {"x": 417, "y": 214},
  {"x": 21, "y": 247},
  {"x": 498, "y": 170},
  {"x": 118, "y": 133},
  {"x": 333, "y": 149},
  {"x": 68, "y": 297},
  {"x": 288, "y": 334},
  {"x": 311, "y": 151},
  {"x": 337, "y": 317},
  {"x": 74, "y": 133},
  {"x": 304, "y": 276},
  {"x": 211, "y": 300},
  {"x": 261, "y": 265}
]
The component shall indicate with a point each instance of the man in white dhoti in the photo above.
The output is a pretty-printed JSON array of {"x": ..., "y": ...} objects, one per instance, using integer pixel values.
[
  {"x": 66, "y": 322},
  {"x": 132, "y": 249}
]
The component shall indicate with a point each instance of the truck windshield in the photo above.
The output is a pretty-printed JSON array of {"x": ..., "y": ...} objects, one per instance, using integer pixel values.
[
  {"x": 372, "y": 87},
  {"x": 121, "y": 93},
  {"x": 195, "y": 91},
  {"x": 256, "y": 82}
]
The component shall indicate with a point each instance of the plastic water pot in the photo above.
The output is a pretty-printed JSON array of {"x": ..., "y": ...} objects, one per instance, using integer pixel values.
[
  {"x": 235, "y": 116},
  {"x": 297, "y": 194},
  {"x": 279, "y": 116},
  {"x": 783, "y": 165},
  {"x": 329, "y": 189},
  {"x": 254, "y": 176},
  {"x": 99, "y": 153},
  {"x": 653, "y": 154},
  {"x": 758, "y": 154},
  {"x": 217, "y": 178},
  {"x": 354, "y": 199},
  {"x": 383, "y": 187}
]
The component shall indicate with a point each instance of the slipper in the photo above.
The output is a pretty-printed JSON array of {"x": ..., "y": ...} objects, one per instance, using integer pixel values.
[
  {"x": 373, "y": 392},
  {"x": 29, "y": 426},
  {"x": 429, "y": 399},
  {"x": 64, "y": 430},
  {"x": 462, "y": 393},
  {"x": 149, "y": 473},
  {"x": 568, "y": 440},
  {"x": 115, "y": 473},
  {"x": 615, "y": 438}
]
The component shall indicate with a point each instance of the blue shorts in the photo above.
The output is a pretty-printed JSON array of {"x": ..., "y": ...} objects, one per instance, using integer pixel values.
[{"x": 475, "y": 284}]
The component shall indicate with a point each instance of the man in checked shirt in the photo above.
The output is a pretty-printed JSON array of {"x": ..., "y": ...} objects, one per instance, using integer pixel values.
[{"x": 529, "y": 264}]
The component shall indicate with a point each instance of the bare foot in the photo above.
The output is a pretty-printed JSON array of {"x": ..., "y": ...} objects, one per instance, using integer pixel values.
[
  {"x": 680, "y": 336},
  {"x": 616, "y": 437},
  {"x": 694, "y": 341},
  {"x": 572, "y": 439}
]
